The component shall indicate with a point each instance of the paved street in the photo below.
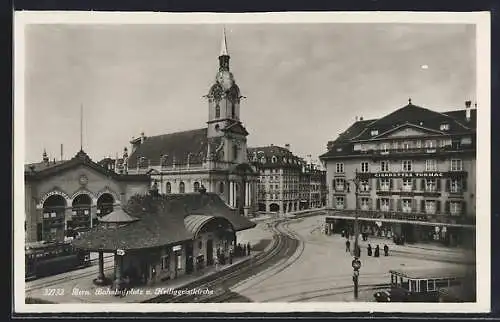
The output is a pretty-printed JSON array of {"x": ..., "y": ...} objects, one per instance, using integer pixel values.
[{"x": 321, "y": 270}]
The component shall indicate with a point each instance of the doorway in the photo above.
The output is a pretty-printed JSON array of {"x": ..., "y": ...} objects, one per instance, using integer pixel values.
[
  {"x": 189, "y": 258},
  {"x": 210, "y": 252}
]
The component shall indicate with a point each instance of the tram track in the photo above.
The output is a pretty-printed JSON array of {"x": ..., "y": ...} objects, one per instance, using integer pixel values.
[
  {"x": 283, "y": 246},
  {"x": 66, "y": 278}
]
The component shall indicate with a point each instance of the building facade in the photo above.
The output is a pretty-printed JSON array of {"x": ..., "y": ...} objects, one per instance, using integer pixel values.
[
  {"x": 67, "y": 196},
  {"x": 287, "y": 183},
  {"x": 214, "y": 157},
  {"x": 415, "y": 173}
]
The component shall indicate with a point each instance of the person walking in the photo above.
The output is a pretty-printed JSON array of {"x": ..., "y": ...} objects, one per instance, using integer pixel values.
[
  {"x": 248, "y": 248},
  {"x": 369, "y": 250},
  {"x": 377, "y": 251},
  {"x": 347, "y": 246},
  {"x": 386, "y": 250}
]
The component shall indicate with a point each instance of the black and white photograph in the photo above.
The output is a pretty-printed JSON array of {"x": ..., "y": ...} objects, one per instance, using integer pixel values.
[{"x": 252, "y": 162}]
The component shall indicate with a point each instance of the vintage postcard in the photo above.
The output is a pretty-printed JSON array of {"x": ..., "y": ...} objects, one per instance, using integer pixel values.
[{"x": 269, "y": 162}]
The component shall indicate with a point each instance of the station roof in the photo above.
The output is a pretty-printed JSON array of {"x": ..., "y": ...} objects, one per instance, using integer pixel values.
[{"x": 162, "y": 220}]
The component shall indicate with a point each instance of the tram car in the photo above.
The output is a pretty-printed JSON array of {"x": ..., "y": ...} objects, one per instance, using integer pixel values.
[
  {"x": 50, "y": 258},
  {"x": 420, "y": 285}
]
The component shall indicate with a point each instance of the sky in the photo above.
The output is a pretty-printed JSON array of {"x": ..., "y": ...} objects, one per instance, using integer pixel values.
[{"x": 304, "y": 83}]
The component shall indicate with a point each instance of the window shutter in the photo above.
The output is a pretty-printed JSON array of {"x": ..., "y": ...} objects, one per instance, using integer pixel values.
[
  {"x": 345, "y": 203},
  {"x": 414, "y": 184},
  {"x": 347, "y": 186},
  {"x": 391, "y": 204},
  {"x": 399, "y": 205},
  {"x": 370, "y": 204},
  {"x": 438, "y": 206},
  {"x": 447, "y": 207},
  {"x": 448, "y": 184},
  {"x": 438, "y": 184},
  {"x": 378, "y": 184},
  {"x": 391, "y": 183},
  {"x": 378, "y": 204},
  {"x": 334, "y": 186},
  {"x": 422, "y": 205},
  {"x": 400, "y": 183},
  {"x": 413, "y": 205},
  {"x": 464, "y": 184},
  {"x": 422, "y": 185},
  {"x": 464, "y": 207}
]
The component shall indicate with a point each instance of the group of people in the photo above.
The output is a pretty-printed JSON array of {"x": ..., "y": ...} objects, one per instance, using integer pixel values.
[
  {"x": 370, "y": 251},
  {"x": 238, "y": 251}
]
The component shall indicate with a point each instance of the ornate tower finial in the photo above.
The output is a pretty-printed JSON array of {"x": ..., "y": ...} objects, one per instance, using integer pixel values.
[
  {"x": 224, "y": 55},
  {"x": 409, "y": 100}
]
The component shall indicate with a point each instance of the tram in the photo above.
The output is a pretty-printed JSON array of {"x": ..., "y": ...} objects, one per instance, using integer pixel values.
[
  {"x": 50, "y": 258},
  {"x": 420, "y": 285}
]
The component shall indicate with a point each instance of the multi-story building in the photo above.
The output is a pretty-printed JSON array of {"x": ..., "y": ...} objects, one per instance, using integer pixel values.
[
  {"x": 214, "y": 157},
  {"x": 287, "y": 183},
  {"x": 415, "y": 171}
]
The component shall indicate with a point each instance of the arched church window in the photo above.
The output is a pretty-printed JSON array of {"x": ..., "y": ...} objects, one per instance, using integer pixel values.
[
  {"x": 233, "y": 111},
  {"x": 196, "y": 186},
  {"x": 221, "y": 187},
  {"x": 168, "y": 188},
  {"x": 217, "y": 111},
  {"x": 182, "y": 187}
]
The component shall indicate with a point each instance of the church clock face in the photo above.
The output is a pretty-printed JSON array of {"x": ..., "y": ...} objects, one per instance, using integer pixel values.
[{"x": 225, "y": 79}]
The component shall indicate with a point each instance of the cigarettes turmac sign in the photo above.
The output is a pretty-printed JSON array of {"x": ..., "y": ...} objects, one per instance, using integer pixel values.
[{"x": 409, "y": 175}]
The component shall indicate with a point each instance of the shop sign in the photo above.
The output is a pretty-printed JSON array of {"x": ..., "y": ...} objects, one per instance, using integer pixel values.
[
  {"x": 176, "y": 248},
  {"x": 408, "y": 175}
]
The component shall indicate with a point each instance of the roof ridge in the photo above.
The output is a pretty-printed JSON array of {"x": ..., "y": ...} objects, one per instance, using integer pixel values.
[{"x": 178, "y": 132}]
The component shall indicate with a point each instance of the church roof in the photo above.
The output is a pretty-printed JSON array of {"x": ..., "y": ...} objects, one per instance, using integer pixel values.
[
  {"x": 178, "y": 147},
  {"x": 164, "y": 220}
]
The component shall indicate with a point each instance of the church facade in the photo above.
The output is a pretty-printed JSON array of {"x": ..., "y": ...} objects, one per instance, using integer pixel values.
[{"x": 213, "y": 157}]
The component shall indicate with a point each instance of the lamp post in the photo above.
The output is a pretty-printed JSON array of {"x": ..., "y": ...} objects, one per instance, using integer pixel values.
[{"x": 356, "y": 263}]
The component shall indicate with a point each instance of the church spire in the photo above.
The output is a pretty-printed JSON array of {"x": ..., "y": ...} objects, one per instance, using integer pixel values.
[
  {"x": 223, "y": 45},
  {"x": 224, "y": 55}
]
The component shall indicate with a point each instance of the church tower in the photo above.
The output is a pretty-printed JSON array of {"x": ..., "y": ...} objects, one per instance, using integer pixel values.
[{"x": 224, "y": 125}]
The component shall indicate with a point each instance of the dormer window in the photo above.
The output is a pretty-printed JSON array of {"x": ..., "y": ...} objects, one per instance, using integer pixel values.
[
  {"x": 339, "y": 149},
  {"x": 263, "y": 160},
  {"x": 357, "y": 147},
  {"x": 274, "y": 159},
  {"x": 374, "y": 132},
  {"x": 444, "y": 127}
]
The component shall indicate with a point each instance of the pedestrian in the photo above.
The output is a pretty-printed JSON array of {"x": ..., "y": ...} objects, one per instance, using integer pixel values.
[
  {"x": 386, "y": 250},
  {"x": 230, "y": 256},
  {"x": 216, "y": 263},
  {"x": 342, "y": 234},
  {"x": 347, "y": 246},
  {"x": 248, "y": 248},
  {"x": 377, "y": 251},
  {"x": 369, "y": 251}
]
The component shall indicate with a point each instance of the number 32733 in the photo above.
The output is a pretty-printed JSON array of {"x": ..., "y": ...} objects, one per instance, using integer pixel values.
[{"x": 53, "y": 291}]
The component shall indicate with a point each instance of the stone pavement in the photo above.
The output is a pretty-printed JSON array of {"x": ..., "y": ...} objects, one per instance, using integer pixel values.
[
  {"x": 258, "y": 237},
  {"x": 322, "y": 269}
]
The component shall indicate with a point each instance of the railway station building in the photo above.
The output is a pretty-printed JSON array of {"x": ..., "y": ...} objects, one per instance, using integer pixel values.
[
  {"x": 67, "y": 196},
  {"x": 157, "y": 237},
  {"x": 416, "y": 175}
]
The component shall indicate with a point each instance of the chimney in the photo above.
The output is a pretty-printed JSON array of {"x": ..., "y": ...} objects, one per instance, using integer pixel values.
[
  {"x": 143, "y": 137},
  {"x": 361, "y": 118},
  {"x": 45, "y": 158},
  {"x": 62, "y": 152},
  {"x": 287, "y": 146},
  {"x": 467, "y": 110}
]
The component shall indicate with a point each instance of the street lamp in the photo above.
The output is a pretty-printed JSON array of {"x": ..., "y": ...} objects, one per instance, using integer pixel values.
[{"x": 356, "y": 263}]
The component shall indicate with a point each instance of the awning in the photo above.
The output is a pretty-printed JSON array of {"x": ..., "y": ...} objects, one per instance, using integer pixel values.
[
  {"x": 193, "y": 223},
  {"x": 396, "y": 221}
]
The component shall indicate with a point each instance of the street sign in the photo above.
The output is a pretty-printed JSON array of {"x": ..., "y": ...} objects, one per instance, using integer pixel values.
[
  {"x": 356, "y": 264},
  {"x": 120, "y": 252}
]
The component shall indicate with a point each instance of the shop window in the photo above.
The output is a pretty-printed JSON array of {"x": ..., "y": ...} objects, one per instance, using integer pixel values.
[{"x": 431, "y": 285}]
